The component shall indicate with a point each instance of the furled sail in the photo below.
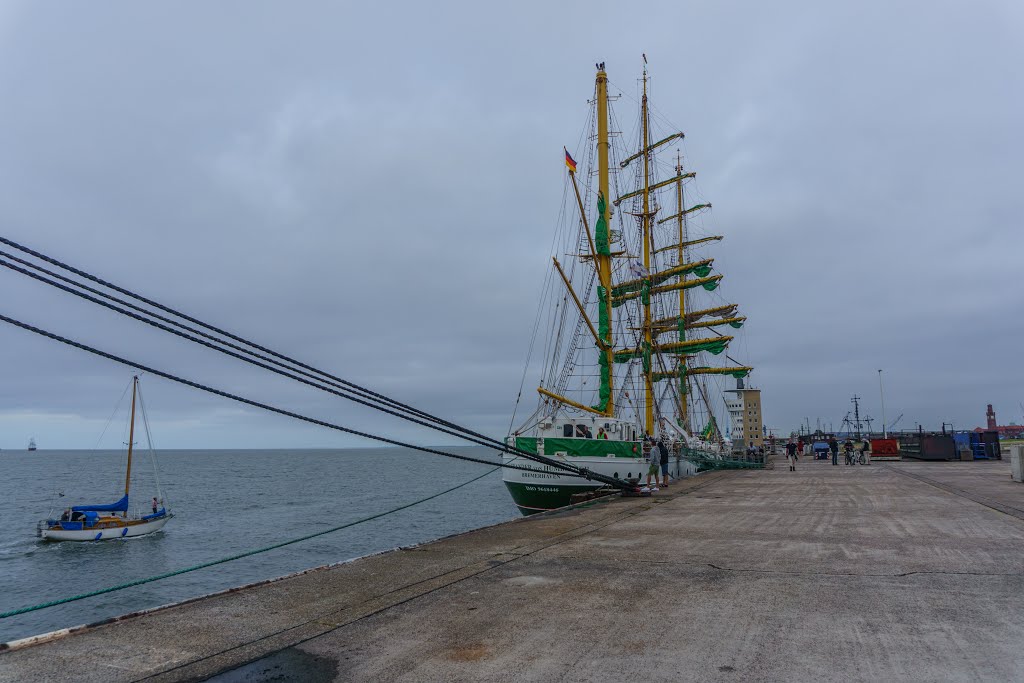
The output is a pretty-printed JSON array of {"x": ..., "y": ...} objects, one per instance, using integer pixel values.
[
  {"x": 708, "y": 283},
  {"x": 699, "y": 268},
  {"x": 693, "y": 317},
  {"x": 682, "y": 371},
  {"x": 119, "y": 506},
  {"x": 688, "y": 243}
]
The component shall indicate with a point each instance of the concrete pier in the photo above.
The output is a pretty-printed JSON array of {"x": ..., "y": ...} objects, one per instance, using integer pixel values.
[{"x": 889, "y": 572}]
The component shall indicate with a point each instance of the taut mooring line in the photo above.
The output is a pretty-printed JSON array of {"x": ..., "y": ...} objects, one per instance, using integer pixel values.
[
  {"x": 250, "y": 402},
  {"x": 364, "y": 396}
]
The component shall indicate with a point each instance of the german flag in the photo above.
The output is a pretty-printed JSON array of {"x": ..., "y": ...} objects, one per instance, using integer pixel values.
[{"x": 569, "y": 161}]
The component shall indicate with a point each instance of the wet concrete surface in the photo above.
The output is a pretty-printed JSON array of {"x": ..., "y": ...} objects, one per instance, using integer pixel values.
[
  {"x": 896, "y": 572},
  {"x": 289, "y": 664}
]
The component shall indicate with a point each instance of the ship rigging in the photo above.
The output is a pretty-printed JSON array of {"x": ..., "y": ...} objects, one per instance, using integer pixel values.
[{"x": 631, "y": 341}]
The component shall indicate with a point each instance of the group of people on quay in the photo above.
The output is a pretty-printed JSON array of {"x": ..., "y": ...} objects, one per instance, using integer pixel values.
[
  {"x": 657, "y": 454},
  {"x": 852, "y": 453}
]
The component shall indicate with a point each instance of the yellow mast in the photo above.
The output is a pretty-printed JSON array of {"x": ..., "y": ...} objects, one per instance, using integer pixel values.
[
  {"x": 604, "y": 261},
  {"x": 131, "y": 439},
  {"x": 645, "y": 222},
  {"x": 684, "y": 414}
]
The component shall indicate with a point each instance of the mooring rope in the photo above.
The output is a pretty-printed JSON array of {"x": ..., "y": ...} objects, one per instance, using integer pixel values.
[
  {"x": 378, "y": 399},
  {"x": 248, "y": 553},
  {"x": 363, "y": 395},
  {"x": 281, "y": 411},
  {"x": 289, "y": 372}
]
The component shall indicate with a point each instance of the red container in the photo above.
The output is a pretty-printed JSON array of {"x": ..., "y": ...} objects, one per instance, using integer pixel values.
[{"x": 885, "y": 447}]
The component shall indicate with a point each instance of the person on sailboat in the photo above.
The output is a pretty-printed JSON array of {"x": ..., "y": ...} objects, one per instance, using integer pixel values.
[
  {"x": 601, "y": 433},
  {"x": 155, "y": 506}
]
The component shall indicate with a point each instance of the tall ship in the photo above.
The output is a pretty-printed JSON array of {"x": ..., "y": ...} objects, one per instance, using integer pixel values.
[{"x": 632, "y": 332}]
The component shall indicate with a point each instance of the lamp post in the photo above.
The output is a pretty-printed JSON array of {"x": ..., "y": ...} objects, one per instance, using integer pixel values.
[{"x": 881, "y": 393}]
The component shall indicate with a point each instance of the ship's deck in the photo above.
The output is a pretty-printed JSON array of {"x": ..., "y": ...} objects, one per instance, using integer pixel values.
[{"x": 897, "y": 572}]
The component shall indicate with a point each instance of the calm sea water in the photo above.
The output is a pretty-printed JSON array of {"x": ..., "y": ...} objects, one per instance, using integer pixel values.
[{"x": 224, "y": 502}]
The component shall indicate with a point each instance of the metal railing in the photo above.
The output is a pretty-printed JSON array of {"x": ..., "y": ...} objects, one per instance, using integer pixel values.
[{"x": 709, "y": 460}]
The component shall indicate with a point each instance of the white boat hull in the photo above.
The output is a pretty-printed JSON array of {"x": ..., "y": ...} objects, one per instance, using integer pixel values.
[{"x": 108, "y": 533}]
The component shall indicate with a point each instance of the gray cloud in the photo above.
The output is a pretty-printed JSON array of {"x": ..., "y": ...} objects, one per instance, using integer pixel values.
[{"x": 373, "y": 190}]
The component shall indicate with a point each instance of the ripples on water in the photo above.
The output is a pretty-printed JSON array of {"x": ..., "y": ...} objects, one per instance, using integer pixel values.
[{"x": 225, "y": 502}]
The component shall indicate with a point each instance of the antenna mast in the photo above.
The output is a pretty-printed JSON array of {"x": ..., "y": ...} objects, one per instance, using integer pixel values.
[{"x": 856, "y": 414}]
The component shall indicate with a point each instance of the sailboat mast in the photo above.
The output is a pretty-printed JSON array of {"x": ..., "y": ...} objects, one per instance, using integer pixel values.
[
  {"x": 684, "y": 414},
  {"x": 131, "y": 438},
  {"x": 646, "y": 300},
  {"x": 603, "y": 243}
]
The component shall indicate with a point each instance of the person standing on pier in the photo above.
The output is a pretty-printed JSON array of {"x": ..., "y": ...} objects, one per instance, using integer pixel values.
[
  {"x": 833, "y": 446},
  {"x": 653, "y": 463},
  {"x": 663, "y": 461},
  {"x": 791, "y": 455}
]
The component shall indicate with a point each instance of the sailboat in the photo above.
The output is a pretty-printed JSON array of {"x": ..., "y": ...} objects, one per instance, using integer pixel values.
[
  {"x": 632, "y": 351},
  {"x": 113, "y": 520},
  {"x": 32, "y": 444}
]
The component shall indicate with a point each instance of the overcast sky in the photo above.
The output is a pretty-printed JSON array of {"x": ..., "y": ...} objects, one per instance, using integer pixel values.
[{"x": 372, "y": 189}]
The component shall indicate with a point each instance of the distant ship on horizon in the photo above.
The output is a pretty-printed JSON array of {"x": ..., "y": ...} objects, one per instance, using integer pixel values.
[{"x": 32, "y": 444}]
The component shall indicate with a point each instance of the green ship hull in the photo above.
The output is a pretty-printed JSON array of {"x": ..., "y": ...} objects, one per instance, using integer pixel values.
[{"x": 534, "y": 498}]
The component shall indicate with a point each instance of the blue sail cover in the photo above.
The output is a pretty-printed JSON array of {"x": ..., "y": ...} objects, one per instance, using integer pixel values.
[{"x": 119, "y": 506}]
